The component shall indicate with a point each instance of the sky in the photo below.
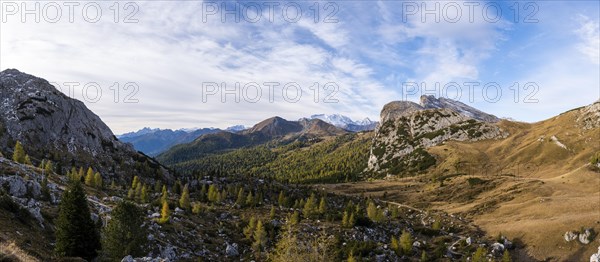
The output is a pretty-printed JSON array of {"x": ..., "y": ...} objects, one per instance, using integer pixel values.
[{"x": 185, "y": 64}]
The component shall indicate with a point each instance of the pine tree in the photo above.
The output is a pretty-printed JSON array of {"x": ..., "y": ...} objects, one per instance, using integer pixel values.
[
  {"x": 424, "y": 257},
  {"x": 184, "y": 201},
  {"x": 437, "y": 224},
  {"x": 98, "y": 181},
  {"x": 240, "y": 198},
  {"x": 395, "y": 246},
  {"x": 281, "y": 199},
  {"x": 345, "y": 218},
  {"x": 506, "y": 256},
  {"x": 177, "y": 187},
  {"x": 80, "y": 174},
  {"x": 310, "y": 206},
  {"x": 351, "y": 258},
  {"x": 89, "y": 178},
  {"x": 144, "y": 196},
  {"x": 138, "y": 191},
  {"x": 164, "y": 213},
  {"x": 374, "y": 213},
  {"x": 250, "y": 200},
  {"x": 479, "y": 255},
  {"x": 213, "y": 193},
  {"x": 351, "y": 220},
  {"x": 203, "y": 193},
  {"x": 322, "y": 206},
  {"x": 124, "y": 234},
  {"x": 294, "y": 218},
  {"x": 260, "y": 237},
  {"x": 19, "y": 153},
  {"x": 76, "y": 234},
  {"x": 135, "y": 181},
  {"x": 131, "y": 194},
  {"x": 27, "y": 161},
  {"x": 157, "y": 186},
  {"x": 406, "y": 243},
  {"x": 165, "y": 194},
  {"x": 272, "y": 213},
  {"x": 48, "y": 167},
  {"x": 196, "y": 208},
  {"x": 249, "y": 229},
  {"x": 45, "y": 189},
  {"x": 113, "y": 185}
]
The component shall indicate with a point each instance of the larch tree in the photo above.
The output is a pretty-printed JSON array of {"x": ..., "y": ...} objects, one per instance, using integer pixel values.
[
  {"x": 19, "y": 153},
  {"x": 184, "y": 201},
  {"x": 98, "y": 183}
]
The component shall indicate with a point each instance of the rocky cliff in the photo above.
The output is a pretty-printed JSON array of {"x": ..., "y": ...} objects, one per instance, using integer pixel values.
[
  {"x": 407, "y": 129},
  {"x": 52, "y": 126}
]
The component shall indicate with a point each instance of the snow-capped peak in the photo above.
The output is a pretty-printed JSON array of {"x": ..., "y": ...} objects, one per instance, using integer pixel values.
[{"x": 345, "y": 122}]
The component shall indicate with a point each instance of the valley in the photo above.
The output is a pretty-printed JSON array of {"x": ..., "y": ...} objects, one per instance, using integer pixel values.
[{"x": 434, "y": 181}]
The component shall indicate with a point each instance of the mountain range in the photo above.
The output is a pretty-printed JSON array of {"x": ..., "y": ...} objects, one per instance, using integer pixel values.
[
  {"x": 153, "y": 141},
  {"x": 456, "y": 180}
]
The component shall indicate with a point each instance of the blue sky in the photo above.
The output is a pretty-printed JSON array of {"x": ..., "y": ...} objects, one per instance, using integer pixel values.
[{"x": 361, "y": 54}]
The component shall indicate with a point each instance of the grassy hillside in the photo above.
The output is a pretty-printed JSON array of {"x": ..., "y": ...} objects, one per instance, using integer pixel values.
[{"x": 534, "y": 185}]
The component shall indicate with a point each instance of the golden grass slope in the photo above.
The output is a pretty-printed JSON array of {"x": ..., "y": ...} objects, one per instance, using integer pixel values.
[{"x": 532, "y": 186}]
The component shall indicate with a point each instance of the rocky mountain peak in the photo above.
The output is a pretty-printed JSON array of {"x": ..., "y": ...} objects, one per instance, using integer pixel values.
[
  {"x": 52, "y": 126},
  {"x": 407, "y": 129},
  {"x": 430, "y": 102},
  {"x": 275, "y": 126},
  {"x": 396, "y": 109}
]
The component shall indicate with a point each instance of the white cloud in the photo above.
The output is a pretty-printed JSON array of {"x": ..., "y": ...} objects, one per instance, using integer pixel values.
[{"x": 589, "y": 33}]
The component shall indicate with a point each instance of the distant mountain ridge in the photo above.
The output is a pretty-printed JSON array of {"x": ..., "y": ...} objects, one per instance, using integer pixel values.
[
  {"x": 155, "y": 141},
  {"x": 346, "y": 123},
  {"x": 271, "y": 130}
]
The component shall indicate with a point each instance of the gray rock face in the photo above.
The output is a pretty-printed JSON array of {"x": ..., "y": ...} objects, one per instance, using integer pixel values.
[
  {"x": 430, "y": 102},
  {"x": 51, "y": 125},
  {"x": 396, "y": 109},
  {"x": 589, "y": 116}
]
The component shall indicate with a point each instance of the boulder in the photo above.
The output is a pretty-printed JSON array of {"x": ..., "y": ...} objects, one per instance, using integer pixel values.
[
  {"x": 570, "y": 236},
  {"x": 469, "y": 240},
  {"x": 508, "y": 244},
  {"x": 127, "y": 259},
  {"x": 168, "y": 252},
  {"x": 595, "y": 257},
  {"x": 586, "y": 236},
  {"x": 497, "y": 249},
  {"x": 16, "y": 186},
  {"x": 232, "y": 250}
]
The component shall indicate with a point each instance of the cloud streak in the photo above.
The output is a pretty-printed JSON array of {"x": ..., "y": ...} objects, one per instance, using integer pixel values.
[{"x": 176, "y": 47}]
